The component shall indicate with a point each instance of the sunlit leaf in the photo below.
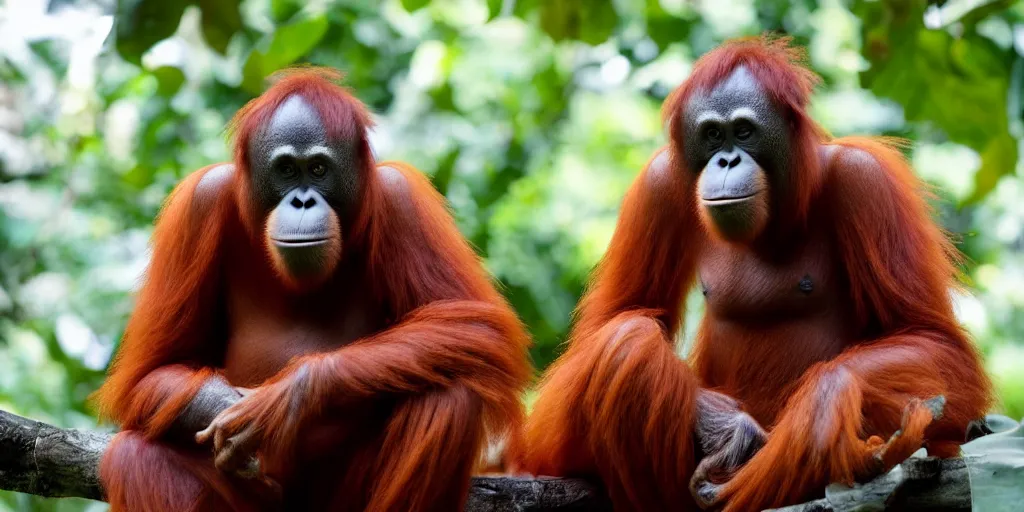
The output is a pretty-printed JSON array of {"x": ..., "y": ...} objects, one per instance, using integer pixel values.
[
  {"x": 969, "y": 13},
  {"x": 282, "y": 10},
  {"x": 494, "y": 8},
  {"x": 292, "y": 41},
  {"x": 138, "y": 85},
  {"x": 414, "y": 5}
]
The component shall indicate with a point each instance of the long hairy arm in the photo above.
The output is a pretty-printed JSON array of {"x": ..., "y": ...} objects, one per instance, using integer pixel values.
[
  {"x": 651, "y": 261},
  {"x": 902, "y": 267},
  {"x": 620, "y": 403},
  {"x": 165, "y": 359}
]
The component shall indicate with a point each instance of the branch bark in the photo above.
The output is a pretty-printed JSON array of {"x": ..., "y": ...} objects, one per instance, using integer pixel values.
[
  {"x": 916, "y": 484},
  {"x": 41, "y": 459}
]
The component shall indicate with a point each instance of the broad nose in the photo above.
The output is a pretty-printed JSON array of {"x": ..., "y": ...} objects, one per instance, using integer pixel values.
[
  {"x": 304, "y": 199},
  {"x": 729, "y": 160}
]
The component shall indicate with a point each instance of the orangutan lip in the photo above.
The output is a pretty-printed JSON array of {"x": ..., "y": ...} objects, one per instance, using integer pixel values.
[
  {"x": 728, "y": 200},
  {"x": 304, "y": 242}
]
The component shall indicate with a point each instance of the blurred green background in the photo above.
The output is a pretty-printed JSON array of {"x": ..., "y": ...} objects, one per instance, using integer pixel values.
[{"x": 531, "y": 116}]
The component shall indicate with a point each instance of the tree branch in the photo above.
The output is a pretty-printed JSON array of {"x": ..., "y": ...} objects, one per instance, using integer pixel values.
[
  {"x": 916, "y": 484},
  {"x": 41, "y": 459}
]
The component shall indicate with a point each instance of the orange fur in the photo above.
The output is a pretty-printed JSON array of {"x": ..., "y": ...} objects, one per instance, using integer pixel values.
[
  {"x": 830, "y": 386},
  {"x": 618, "y": 404},
  {"x": 390, "y": 415},
  {"x": 173, "y": 318}
]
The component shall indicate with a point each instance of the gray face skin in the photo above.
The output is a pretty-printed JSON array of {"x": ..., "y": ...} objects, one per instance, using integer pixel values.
[
  {"x": 303, "y": 182},
  {"x": 293, "y": 155},
  {"x": 737, "y": 141}
]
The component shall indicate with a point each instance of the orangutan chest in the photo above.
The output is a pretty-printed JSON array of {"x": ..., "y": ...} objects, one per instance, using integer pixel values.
[
  {"x": 267, "y": 328},
  {"x": 742, "y": 286}
]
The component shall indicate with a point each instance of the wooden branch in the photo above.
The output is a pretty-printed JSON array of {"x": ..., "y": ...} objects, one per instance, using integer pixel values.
[
  {"x": 41, "y": 459},
  {"x": 916, "y": 484}
]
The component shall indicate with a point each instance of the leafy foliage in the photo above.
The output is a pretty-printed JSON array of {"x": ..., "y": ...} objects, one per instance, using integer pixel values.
[{"x": 925, "y": 70}]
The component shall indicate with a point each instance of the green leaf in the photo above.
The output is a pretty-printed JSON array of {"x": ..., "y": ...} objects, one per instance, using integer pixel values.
[
  {"x": 282, "y": 10},
  {"x": 221, "y": 20},
  {"x": 414, "y": 5},
  {"x": 970, "y": 13},
  {"x": 665, "y": 29},
  {"x": 961, "y": 85},
  {"x": 292, "y": 41},
  {"x": 998, "y": 159},
  {"x": 289, "y": 43},
  {"x": 54, "y": 52},
  {"x": 494, "y": 8},
  {"x": 445, "y": 170},
  {"x": 524, "y": 8},
  {"x": 143, "y": 23},
  {"x": 559, "y": 20},
  {"x": 443, "y": 98},
  {"x": 169, "y": 80},
  {"x": 590, "y": 21},
  {"x": 138, "y": 85},
  {"x": 994, "y": 463},
  {"x": 252, "y": 73},
  {"x": 599, "y": 20}
]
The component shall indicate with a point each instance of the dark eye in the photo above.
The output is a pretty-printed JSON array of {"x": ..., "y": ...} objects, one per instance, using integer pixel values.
[
  {"x": 714, "y": 134},
  {"x": 287, "y": 169},
  {"x": 744, "y": 131},
  {"x": 318, "y": 169}
]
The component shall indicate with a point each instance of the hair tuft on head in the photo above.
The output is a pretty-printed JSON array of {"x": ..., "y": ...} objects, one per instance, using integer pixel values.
[
  {"x": 306, "y": 71},
  {"x": 778, "y": 65},
  {"x": 342, "y": 114}
]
